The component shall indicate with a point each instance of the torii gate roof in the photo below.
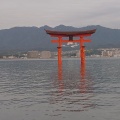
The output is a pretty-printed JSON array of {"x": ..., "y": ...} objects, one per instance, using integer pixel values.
[{"x": 70, "y": 33}]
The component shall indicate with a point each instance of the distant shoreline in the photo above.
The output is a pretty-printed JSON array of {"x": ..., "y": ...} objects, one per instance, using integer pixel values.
[{"x": 87, "y": 57}]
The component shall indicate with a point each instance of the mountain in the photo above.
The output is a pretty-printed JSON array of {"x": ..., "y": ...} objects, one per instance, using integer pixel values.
[{"x": 33, "y": 38}]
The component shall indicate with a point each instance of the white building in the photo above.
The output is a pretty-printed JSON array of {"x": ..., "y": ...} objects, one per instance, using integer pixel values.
[
  {"x": 45, "y": 54},
  {"x": 33, "y": 54}
]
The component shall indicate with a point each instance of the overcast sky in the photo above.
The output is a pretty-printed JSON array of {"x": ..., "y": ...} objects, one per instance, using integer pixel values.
[{"x": 77, "y": 13}]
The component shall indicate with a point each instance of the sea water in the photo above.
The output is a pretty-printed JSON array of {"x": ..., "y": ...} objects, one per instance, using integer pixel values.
[{"x": 40, "y": 90}]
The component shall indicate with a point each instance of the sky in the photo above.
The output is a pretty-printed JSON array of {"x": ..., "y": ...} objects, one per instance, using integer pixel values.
[{"x": 76, "y": 13}]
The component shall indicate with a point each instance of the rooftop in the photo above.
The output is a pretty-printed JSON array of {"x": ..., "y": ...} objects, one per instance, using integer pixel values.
[{"x": 70, "y": 33}]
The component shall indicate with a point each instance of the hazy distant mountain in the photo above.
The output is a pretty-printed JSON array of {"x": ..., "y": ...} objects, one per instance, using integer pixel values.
[{"x": 33, "y": 38}]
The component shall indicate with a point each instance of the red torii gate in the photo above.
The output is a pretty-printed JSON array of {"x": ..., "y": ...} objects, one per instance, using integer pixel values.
[{"x": 71, "y": 34}]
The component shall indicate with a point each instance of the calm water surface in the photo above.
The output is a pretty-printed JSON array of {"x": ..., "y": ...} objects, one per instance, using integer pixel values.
[{"x": 38, "y": 90}]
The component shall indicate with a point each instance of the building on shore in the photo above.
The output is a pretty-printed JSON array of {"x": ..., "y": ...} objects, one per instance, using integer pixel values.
[
  {"x": 113, "y": 52},
  {"x": 78, "y": 54},
  {"x": 45, "y": 54},
  {"x": 33, "y": 54}
]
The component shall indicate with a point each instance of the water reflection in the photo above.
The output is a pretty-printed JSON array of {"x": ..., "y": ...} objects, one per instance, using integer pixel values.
[
  {"x": 60, "y": 81},
  {"x": 37, "y": 89},
  {"x": 74, "y": 91},
  {"x": 83, "y": 81},
  {"x": 60, "y": 72}
]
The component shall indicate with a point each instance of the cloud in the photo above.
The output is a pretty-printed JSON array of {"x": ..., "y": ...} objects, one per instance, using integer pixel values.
[{"x": 53, "y": 12}]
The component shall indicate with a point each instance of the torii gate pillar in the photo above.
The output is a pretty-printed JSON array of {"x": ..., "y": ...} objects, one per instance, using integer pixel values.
[
  {"x": 59, "y": 55},
  {"x": 82, "y": 53}
]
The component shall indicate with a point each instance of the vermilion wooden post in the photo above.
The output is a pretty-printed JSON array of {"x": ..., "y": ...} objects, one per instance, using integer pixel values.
[
  {"x": 59, "y": 50},
  {"x": 83, "y": 55}
]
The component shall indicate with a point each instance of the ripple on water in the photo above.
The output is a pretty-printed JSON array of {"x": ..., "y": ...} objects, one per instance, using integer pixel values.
[{"x": 38, "y": 88}]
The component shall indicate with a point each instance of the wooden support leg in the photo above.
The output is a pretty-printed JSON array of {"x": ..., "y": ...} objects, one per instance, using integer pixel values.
[
  {"x": 59, "y": 55},
  {"x": 82, "y": 55}
]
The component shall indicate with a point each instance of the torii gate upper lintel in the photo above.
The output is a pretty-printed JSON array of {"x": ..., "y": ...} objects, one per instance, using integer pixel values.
[{"x": 71, "y": 34}]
